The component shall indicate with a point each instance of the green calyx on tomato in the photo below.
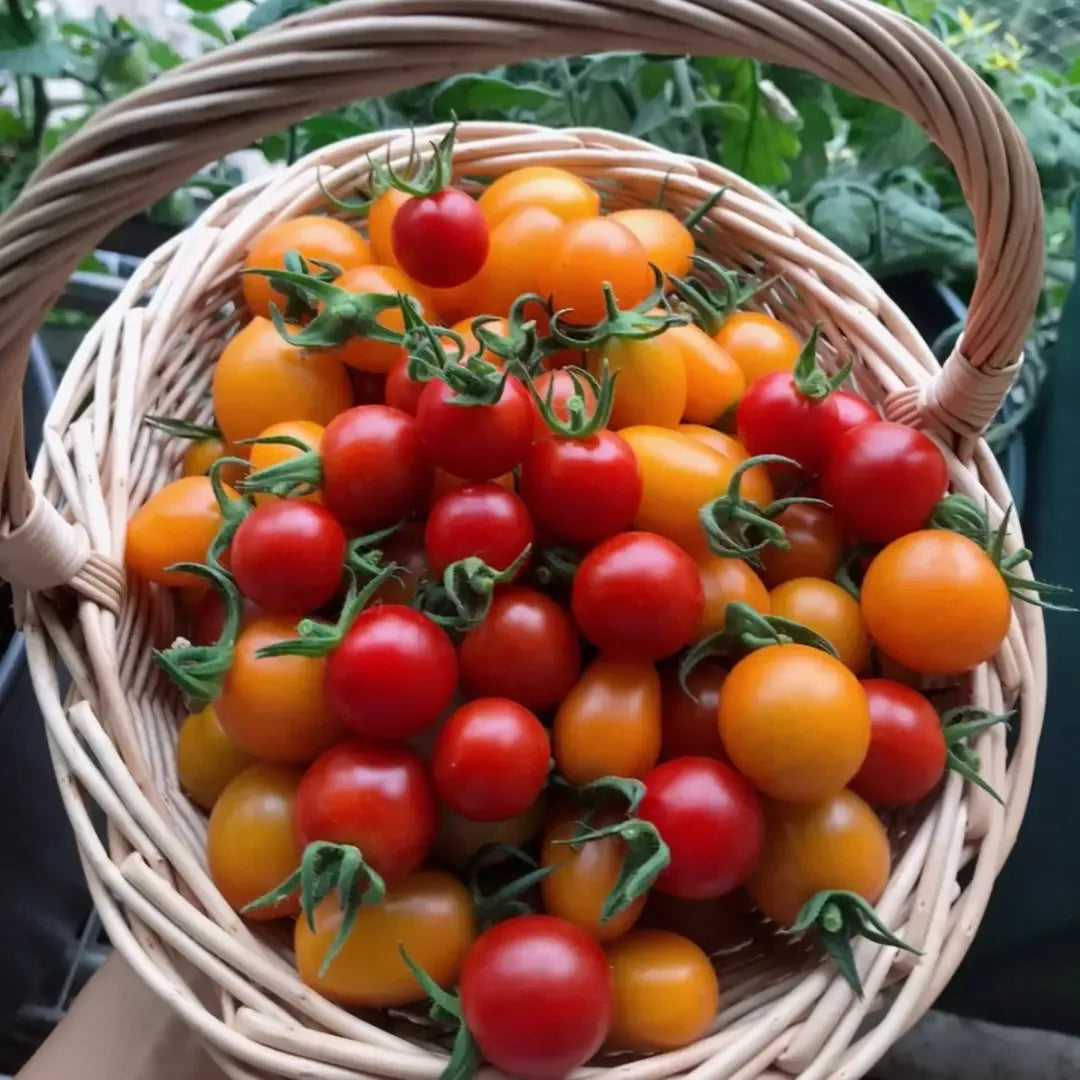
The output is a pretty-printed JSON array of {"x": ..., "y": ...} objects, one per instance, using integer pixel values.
[
  {"x": 326, "y": 868},
  {"x": 849, "y": 573},
  {"x": 507, "y": 901},
  {"x": 809, "y": 379},
  {"x": 293, "y": 477},
  {"x": 709, "y": 309},
  {"x": 580, "y": 423},
  {"x": 838, "y": 916},
  {"x": 364, "y": 556},
  {"x": 958, "y": 726},
  {"x": 462, "y": 599},
  {"x": 182, "y": 429},
  {"x": 695, "y": 217},
  {"x": 521, "y": 346},
  {"x": 434, "y": 175},
  {"x": 557, "y": 565}
]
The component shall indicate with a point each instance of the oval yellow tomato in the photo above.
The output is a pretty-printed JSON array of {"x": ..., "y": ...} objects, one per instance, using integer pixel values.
[
  {"x": 650, "y": 384},
  {"x": 714, "y": 382},
  {"x": 562, "y": 193},
  {"x": 728, "y": 581},
  {"x": 666, "y": 240},
  {"x": 829, "y": 611},
  {"x": 206, "y": 758}
]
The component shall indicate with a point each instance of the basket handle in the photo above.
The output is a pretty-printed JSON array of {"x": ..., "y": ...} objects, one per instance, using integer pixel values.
[{"x": 140, "y": 147}]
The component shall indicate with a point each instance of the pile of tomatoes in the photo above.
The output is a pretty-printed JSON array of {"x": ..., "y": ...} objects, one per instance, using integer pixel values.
[{"x": 544, "y": 610}]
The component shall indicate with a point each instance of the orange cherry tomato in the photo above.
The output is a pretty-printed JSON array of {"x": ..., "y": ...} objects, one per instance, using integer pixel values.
[
  {"x": 755, "y": 484},
  {"x": 714, "y": 382},
  {"x": 251, "y": 845},
  {"x": 202, "y": 453},
  {"x": 666, "y": 991},
  {"x": 668, "y": 243},
  {"x": 837, "y": 843},
  {"x": 726, "y": 581},
  {"x": 263, "y": 455},
  {"x": 561, "y": 193},
  {"x": 689, "y": 720},
  {"x": 312, "y": 236},
  {"x": 935, "y": 601},
  {"x": 586, "y": 255},
  {"x": 206, "y": 758},
  {"x": 521, "y": 245},
  {"x": 829, "y": 611},
  {"x": 651, "y": 383},
  {"x": 576, "y": 891},
  {"x": 363, "y": 353},
  {"x": 428, "y": 913},
  {"x": 816, "y": 545},
  {"x": 275, "y": 708},
  {"x": 381, "y": 215},
  {"x": 609, "y": 722},
  {"x": 456, "y": 302},
  {"x": 459, "y": 839},
  {"x": 758, "y": 343},
  {"x": 176, "y": 524},
  {"x": 261, "y": 379},
  {"x": 794, "y": 721}
]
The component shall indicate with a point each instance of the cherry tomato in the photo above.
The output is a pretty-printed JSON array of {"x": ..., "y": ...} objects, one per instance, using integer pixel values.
[
  {"x": 935, "y": 601},
  {"x": 263, "y": 455},
  {"x": 666, "y": 991},
  {"x": 393, "y": 674},
  {"x": 558, "y": 387},
  {"x": 536, "y": 994},
  {"x": 829, "y": 611},
  {"x": 559, "y": 192},
  {"x": 476, "y": 441},
  {"x": 837, "y": 843},
  {"x": 840, "y": 412},
  {"x": 587, "y": 254},
  {"x": 177, "y": 523},
  {"x": 479, "y": 520},
  {"x": 650, "y": 385},
  {"x": 429, "y": 914},
  {"x": 883, "y": 480},
  {"x": 714, "y": 382},
  {"x": 459, "y": 839},
  {"x": 374, "y": 469},
  {"x": 491, "y": 759},
  {"x": 581, "y": 490},
  {"x": 755, "y": 484},
  {"x": 260, "y": 379},
  {"x": 637, "y": 596},
  {"x": 276, "y": 708},
  {"x": 315, "y": 238},
  {"x": 287, "y": 557},
  {"x": 711, "y": 820},
  {"x": 775, "y": 418},
  {"x": 402, "y": 392},
  {"x": 576, "y": 891},
  {"x": 206, "y": 758},
  {"x": 688, "y": 721},
  {"x": 794, "y": 721},
  {"x": 202, "y": 453},
  {"x": 381, "y": 214},
  {"x": 441, "y": 239},
  {"x": 668, "y": 243},
  {"x": 815, "y": 545},
  {"x": 758, "y": 343},
  {"x": 609, "y": 723},
  {"x": 520, "y": 246},
  {"x": 526, "y": 649},
  {"x": 727, "y": 581},
  {"x": 378, "y": 797},
  {"x": 251, "y": 847},
  {"x": 906, "y": 759}
]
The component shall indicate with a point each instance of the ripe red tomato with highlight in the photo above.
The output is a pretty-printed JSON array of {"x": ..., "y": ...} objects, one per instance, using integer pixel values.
[
  {"x": 773, "y": 417},
  {"x": 638, "y": 596},
  {"x": 491, "y": 759},
  {"x": 440, "y": 240},
  {"x": 374, "y": 796},
  {"x": 558, "y": 387},
  {"x": 840, "y": 412},
  {"x": 481, "y": 520},
  {"x": 402, "y": 392}
]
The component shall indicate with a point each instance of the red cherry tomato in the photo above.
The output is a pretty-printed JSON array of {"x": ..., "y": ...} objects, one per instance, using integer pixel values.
[
  {"x": 581, "y": 490},
  {"x": 440, "y": 240},
  {"x": 491, "y": 759},
  {"x": 393, "y": 674},
  {"x": 688, "y": 721},
  {"x": 482, "y": 520},
  {"x": 883, "y": 480},
  {"x": 907, "y": 751},
  {"x": 712, "y": 821},
  {"x": 477, "y": 442},
  {"x": 287, "y": 556},
  {"x": 559, "y": 384},
  {"x": 526, "y": 649},
  {"x": 773, "y": 417},
  {"x": 638, "y": 596},
  {"x": 536, "y": 993},
  {"x": 840, "y": 412},
  {"x": 402, "y": 392},
  {"x": 377, "y": 797}
]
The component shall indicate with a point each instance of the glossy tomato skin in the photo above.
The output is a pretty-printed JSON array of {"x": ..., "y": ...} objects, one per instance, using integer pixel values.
[
  {"x": 609, "y": 722},
  {"x": 581, "y": 490},
  {"x": 650, "y": 379},
  {"x": 520, "y": 245},
  {"x": 428, "y": 913},
  {"x": 206, "y": 758},
  {"x": 287, "y": 556},
  {"x": 402, "y": 393},
  {"x": 816, "y": 545},
  {"x": 759, "y": 344},
  {"x": 794, "y": 721},
  {"x": 440, "y": 240},
  {"x": 688, "y": 721},
  {"x": 393, "y": 674},
  {"x": 637, "y": 596},
  {"x": 477, "y": 442},
  {"x": 840, "y": 412},
  {"x": 755, "y": 484},
  {"x": 714, "y": 382},
  {"x": 479, "y": 520},
  {"x": 710, "y": 818},
  {"x": 559, "y": 192},
  {"x": 837, "y": 843},
  {"x": 774, "y": 418},
  {"x": 381, "y": 214},
  {"x": 829, "y": 610},
  {"x": 374, "y": 469},
  {"x": 883, "y": 480},
  {"x": 726, "y": 581},
  {"x": 378, "y": 797},
  {"x": 491, "y": 759},
  {"x": 263, "y": 455},
  {"x": 935, "y": 602},
  {"x": 668, "y": 243},
  {"x": 906, "y": 759},
  {"x": 536, "y": 993},
  {"x": 666, "y": 991}
]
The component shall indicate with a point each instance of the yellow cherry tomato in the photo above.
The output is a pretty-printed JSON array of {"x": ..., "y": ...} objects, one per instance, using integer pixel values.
[
  {"x": 562, "y": 193},
  {"x": 650, "y": 387},
  {"x": 263, "y": 455},
  {"x": 828, "y": 610},
  {"x": 755, "y": 484},
  {"x": 726, "y": 581},
  {"x": 714, "y": 382},
  {"x": 758, "y": 343},
  {"x": 666, "y": 240},
  {"x": 206, "y": 758}
]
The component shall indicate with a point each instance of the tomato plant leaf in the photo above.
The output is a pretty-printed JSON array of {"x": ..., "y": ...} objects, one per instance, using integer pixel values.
[
  {"x": 761, "y": 146},
  {"x": 486, "y": 95},
  {"x": 272, "y": 11},
  {"x": 205, "y": 6}
]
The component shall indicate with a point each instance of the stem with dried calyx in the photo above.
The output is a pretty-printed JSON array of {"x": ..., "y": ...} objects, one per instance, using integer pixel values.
[
  {"x": 522, "y": 347},
  {"x": 294, "y": 476},
  {"x": 182, "y": 429},
  {"x": 462, "y": 599},
  {"x": 809, "y": 379}
]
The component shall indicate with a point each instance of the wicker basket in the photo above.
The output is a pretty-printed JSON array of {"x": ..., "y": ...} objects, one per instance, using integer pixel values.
[{"x": 111, "y": 718}]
